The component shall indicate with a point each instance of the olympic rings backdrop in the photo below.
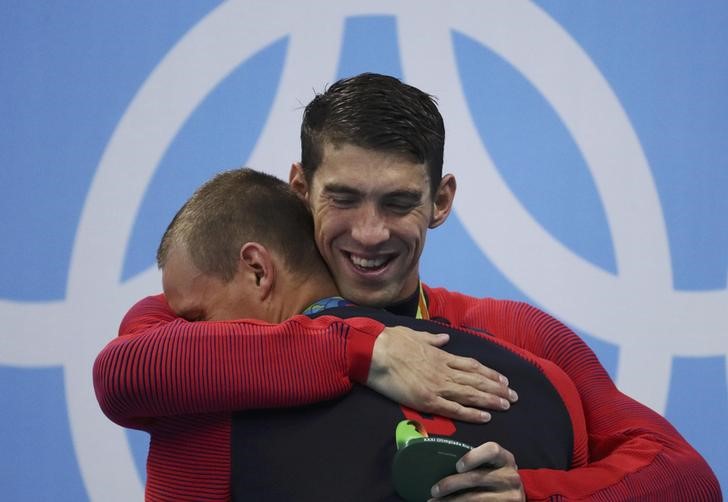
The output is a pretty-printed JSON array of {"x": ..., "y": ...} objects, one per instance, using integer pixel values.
[{"x": 588, "y": 139}]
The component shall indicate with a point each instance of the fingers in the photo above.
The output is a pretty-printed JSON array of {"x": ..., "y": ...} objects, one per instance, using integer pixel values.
[
  {"x": 460, "y": 402},
  {"x": 481, "y": 479},
  {"x": 468, "y": 390},
  {"x": 470, "y": 396},
  {"x": 505, "y": 482},
  {"x": 467, "y": 382},
  {"x": 496, "y": 394},
  {"x": 486, "y": 470},
  {"x": 466, "y": 365},
  {"x": 483, "y": 378},
  {"x": 408, "y": 367},
  {"x": 470, "y": 365},
  {"x": 457, "y": 411},
  {"x": 437, "y": 340},
  {"x": 490, "y": 454}
]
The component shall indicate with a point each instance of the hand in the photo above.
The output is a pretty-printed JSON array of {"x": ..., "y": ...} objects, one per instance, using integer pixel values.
[
  {"x": 408, "y": 367},
  {"x": 488, "y": 472}
]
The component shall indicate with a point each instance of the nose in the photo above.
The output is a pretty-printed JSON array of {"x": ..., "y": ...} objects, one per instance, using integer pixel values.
[{"x": 369, "y": 227}]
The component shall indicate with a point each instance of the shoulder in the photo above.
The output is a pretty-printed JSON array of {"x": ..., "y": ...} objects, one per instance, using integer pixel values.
[
  {"x": 458, "y": 307},
  {"x": 520, "y": 323}
]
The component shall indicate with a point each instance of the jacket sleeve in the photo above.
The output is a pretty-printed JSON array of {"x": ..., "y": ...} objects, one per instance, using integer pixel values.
[
  {"x": 634, "y": 453},
  {"x": 161, "y": 365}
]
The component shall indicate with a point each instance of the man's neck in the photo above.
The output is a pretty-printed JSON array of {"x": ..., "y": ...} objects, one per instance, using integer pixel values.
[
  {"x": 303, "y": 293},
  {"x": 412, "y": 306},
  {"x": 407, "y": 307}
]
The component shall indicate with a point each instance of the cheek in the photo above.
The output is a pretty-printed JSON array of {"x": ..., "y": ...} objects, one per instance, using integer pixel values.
[
  {"x": 417, "y": 244},
  {"x": 415, "y": 233},
  {"x": 329, "y": 226}
]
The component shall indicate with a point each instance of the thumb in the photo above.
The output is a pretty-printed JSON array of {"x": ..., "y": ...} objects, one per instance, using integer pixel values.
[{"x": 437, "y": 340}]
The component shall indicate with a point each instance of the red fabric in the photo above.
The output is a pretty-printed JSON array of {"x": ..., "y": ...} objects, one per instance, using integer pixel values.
[
  {"x": 360, "y": 351},
  {"x": 634, "y": 453},
  {"x": 146, "y": 373},
  {"x": 178, "y": 381}
]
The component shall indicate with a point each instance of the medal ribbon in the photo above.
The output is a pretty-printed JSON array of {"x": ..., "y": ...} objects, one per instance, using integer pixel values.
[{"x": 422, "y": 311}]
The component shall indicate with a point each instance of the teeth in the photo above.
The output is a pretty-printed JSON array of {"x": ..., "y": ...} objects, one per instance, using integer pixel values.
[{"x": 367, "y": 263}]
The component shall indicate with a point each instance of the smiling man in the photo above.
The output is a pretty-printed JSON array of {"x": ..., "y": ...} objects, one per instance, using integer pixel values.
[
  {"x": 371, "y": 171},
  {"x": 242, "y": 247},
  {"x": 372, "y": 211}
]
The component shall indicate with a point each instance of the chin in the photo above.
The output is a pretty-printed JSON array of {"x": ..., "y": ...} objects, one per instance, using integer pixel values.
[{"x": 376, "y": 300}]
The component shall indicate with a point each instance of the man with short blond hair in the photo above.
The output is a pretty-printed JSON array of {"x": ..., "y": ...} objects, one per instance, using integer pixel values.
[{"x": 180, "y": 380}]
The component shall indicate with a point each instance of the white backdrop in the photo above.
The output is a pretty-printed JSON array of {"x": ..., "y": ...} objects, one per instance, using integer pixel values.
[{"x": 587, "y": 138}]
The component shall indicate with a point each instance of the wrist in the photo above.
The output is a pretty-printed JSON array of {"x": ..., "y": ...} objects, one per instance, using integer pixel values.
[
  {"x": 378, "y": 367},
  {"x": 362, "y": 340}
]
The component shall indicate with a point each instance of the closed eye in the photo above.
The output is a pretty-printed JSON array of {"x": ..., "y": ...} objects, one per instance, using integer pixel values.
[
  {"x": 400, "y": 207},
  {"x": 342, "y": 196},
  {"x": 403, "y": 202},
  {"x": 343, "y": 200}
]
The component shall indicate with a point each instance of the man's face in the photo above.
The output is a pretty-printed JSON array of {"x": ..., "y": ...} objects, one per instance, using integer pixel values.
[
  {"x": 196, "y": 296},
  {"x": 371, "y": 212}
]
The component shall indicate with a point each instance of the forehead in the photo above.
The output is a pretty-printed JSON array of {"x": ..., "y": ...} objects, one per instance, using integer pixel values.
[{"x": 369, "y": 170}]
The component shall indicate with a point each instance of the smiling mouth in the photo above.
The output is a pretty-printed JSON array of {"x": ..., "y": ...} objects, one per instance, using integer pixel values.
[{"x": 369, "y": 264}]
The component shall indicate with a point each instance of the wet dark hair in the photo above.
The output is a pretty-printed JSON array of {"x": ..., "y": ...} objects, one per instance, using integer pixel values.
[
  {"x": 376, "y": 112},
  {"x": 242, "y": 206}
]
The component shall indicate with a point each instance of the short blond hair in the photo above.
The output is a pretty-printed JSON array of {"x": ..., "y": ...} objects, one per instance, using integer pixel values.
[{"x": 239, "y": 206}]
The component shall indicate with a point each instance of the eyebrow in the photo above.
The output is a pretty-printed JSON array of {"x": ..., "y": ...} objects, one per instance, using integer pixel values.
[
  {"x": 414, "y": 195},
  {"x": 339, "y": 188}
]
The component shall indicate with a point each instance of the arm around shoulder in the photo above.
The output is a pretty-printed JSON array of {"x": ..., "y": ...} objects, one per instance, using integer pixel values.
[
  {"x": 633, "y": 451},
  {"x": 161, "y": 365}
]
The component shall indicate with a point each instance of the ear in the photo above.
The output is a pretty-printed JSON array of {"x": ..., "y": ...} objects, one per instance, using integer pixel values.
[
  {"x": 297, "y": 180},
  {"x": 444, "y": 197},
  {"x": 256, "y": 265}
]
